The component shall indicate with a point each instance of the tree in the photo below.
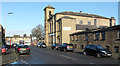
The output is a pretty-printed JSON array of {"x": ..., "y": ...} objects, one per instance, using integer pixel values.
[{"x": 37, "y": 32}]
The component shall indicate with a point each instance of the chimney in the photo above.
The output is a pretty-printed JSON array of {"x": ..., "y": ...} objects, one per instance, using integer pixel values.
[
  {"x": 111, "y": 21},
  {"x": 80, "y": 11}
]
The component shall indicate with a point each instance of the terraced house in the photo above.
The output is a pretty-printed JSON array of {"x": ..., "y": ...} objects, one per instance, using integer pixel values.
[
  {"x": 25, "y": 39},
  {"x": 58, "y": 26},
  {"x": 2, "y": 34},
  {"x": 108, "y": 38}
]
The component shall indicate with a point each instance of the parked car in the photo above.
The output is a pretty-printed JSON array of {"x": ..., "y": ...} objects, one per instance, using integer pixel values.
[
  {"x": 96, "y": 50},
  {"x": 38, "y": 44},
  {"x": 3, "y": 50},
  {"x": 67, "y": 47},
  {"x": 54, "y": 45},
  {"x": 57, "y": 46},
  {"x": 23, "y": 49},
  {"x": 43, "y": 45},
  {"x": 14, "y": 45}
]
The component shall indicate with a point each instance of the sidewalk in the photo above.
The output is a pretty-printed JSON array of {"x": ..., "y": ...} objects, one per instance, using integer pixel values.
[{"x": 9, "y": 57}]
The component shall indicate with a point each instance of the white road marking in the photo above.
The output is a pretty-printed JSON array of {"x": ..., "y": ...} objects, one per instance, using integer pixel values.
[
  {"x": 24, "y": 62},
  {"x": 68, "y": 57}
]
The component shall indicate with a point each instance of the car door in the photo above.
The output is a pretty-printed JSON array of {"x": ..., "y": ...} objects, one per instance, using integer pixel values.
[{"x": 93, "y": 50}]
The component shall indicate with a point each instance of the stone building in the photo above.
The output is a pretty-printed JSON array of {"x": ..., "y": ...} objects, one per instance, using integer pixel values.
[
  {"x": 58, "y": 26},
  {"x": 108, "y": 38},
  {"x": 19, "y": 39},
  {"x": 2, "y": 34}
]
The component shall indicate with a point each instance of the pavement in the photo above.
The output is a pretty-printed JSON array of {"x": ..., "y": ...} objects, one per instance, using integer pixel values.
[
  {"x": 49, "y": 56},
  {"x": 11, "y": 56}
]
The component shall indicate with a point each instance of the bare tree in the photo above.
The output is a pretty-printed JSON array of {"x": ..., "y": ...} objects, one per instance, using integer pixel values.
[{"x": 37, "y": 32}]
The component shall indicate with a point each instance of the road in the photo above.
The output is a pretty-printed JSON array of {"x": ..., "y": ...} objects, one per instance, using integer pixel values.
[{"x": 49, "y": 56}]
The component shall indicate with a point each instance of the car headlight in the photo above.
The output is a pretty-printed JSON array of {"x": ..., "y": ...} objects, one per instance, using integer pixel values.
[{"x": 104, "y": 52}]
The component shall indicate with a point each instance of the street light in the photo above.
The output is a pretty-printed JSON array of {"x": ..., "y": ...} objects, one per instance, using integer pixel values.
[{"x": 5, "y": 23}]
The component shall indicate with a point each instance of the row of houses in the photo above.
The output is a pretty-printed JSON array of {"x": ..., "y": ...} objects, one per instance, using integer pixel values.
[
  {"x": 25, "y": 39},
  {"x": 108, "y": 38},
  {"x": 2, "y": 35}
]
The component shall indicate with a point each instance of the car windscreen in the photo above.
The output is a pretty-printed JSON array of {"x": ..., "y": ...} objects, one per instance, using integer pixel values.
[
  {"x": 44, "y": 44},
  {"x": 25, "y": 46},
  {"x": 70, "y": 44},
  {"x": 99, "y": 47}
]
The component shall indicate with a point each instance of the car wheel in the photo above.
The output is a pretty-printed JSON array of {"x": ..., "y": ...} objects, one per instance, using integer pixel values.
[
  {"x": 84, "y": 53},
  {"x": 98, "y": 55},
  {"x": 65, "y": 50}
]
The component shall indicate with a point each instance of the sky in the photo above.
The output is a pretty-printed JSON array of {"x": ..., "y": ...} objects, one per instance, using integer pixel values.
[{"x": 27, "y": 15}]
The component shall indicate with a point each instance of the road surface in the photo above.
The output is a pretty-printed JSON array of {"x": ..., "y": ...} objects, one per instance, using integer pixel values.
[{"x": 49, "y": 56}]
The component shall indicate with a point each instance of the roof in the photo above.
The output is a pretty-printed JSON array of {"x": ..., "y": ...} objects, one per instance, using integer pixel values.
[
  {"x": 117, "y": 27},
  {"x": 49, "y": 6},
  {"x": 82, "y": 14},
  {"x": 66, "y": 17}
]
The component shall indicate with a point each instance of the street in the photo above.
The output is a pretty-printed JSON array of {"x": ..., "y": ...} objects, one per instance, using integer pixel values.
[{"x": 49, "y": 56}]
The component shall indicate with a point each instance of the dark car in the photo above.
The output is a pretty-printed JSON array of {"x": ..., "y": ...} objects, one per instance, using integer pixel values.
[
  {"x": 96, "y": 50},
  {"x": 54, "y": 45},
  {"x": 57, "y": 46},
  {"x": 23, "y": 49},
  {"x": 43, "y": 45},
  {"x": 67, "y": 47}
]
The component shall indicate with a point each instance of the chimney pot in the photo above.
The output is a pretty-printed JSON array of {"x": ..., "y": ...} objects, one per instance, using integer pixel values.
[{"x": 80, "y": 11}]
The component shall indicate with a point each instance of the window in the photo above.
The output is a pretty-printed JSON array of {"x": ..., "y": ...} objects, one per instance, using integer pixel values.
[
  {"x": 107, "y": 47},
  {"x": 49, "y": 12},
  {"x": 81, "y": 22},
  {"x": 50, "y": 27},
  {"x": 86, "y": 37},
  {"x": 72, "y": 38},
  {"x": 82, "y": 46},
  {"x": 96, "y": 36},
  {"x": 89, "y": 23},
  {"x": 103, "y": 35},
  {"x": 95, "y": 22},
  {"x": 92, "y": 47},
  {"x": 76, "y": 37},
  {"x": 119, "y": 34},
  {"x": 59, "y": 26},
  {"x": 75, "y": 45},
  {"x": 116, "y": 49}
]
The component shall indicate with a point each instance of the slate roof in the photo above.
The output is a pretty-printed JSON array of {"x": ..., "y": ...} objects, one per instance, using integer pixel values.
[
  {"x": 116, "y": 27},
  {"x": 81, "y": 14},
  {"x": 49, "y": 6}
]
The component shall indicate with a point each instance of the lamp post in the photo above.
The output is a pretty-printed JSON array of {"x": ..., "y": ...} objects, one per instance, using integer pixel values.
[{"x": 5, "y": 24}]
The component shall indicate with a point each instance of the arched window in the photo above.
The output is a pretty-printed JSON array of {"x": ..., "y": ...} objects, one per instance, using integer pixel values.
[
  {"x": 89, "y": 23},
  {"x": 81, "y": 22},
  {"x": 95, "y": 22},
  {"x": 49, "y": 12}
]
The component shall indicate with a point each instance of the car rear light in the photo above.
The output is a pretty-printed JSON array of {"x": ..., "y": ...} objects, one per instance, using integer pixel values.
[
  {"x": 19, "y": 48},
  {"x": 73, "y": 46},
  {"x": 28, "y": 48},
  {"x": 67, "y": 46}
]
